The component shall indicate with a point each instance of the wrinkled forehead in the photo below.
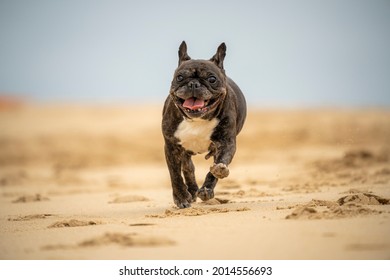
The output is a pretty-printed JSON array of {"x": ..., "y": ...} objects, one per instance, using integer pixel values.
[{"x": 198, "y": 67}]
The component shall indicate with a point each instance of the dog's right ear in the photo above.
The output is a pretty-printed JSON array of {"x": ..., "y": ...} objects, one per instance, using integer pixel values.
[{"x": 183, "y": 56}]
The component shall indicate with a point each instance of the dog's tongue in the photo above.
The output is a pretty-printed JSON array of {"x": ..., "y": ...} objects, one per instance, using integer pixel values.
[{"x": 193, "y": 103}]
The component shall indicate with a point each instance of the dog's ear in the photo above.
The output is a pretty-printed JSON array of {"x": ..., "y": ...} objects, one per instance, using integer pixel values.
[
  {"x": 220, "y": 55},
  {"x": 183, "y": 56}
]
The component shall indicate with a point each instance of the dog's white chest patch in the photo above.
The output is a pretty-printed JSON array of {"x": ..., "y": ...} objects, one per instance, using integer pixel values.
[{"x": 194, "y": 135}]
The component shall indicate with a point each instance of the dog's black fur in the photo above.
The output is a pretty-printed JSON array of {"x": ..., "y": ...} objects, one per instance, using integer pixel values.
[{"x": 204, "y": 112}]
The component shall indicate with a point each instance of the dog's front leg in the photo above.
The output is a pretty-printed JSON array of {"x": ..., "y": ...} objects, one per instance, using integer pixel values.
[
  {"x": 224, "y": 155},
  {"x": 188, "y": 169},
  {"x": 174, "y": 155},
  {"x": 224, "y": 152}
]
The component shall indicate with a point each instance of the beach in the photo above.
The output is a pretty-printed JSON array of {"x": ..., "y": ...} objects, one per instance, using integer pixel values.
[{"x": 90, "y": 182}]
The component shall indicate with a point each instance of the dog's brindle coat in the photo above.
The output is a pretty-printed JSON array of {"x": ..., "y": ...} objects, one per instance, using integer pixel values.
[{"x": 204, "y": 112}]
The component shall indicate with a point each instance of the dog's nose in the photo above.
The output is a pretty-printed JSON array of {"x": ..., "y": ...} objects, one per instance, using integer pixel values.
[{"x": 193, "y": 85}]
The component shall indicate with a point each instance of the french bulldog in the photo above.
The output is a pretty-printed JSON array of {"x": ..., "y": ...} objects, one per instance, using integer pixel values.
[{"x": 203, "y": 113}]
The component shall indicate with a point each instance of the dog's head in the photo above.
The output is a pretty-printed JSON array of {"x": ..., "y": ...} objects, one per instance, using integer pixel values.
[{"x": 199, "y": 86}]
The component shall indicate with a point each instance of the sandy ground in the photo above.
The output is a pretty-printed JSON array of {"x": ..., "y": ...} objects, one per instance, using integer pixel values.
[{"x": 83, "y": 182}]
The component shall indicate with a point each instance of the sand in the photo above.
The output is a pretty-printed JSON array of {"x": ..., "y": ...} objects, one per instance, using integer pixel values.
[{"x": 90, "y": 182}]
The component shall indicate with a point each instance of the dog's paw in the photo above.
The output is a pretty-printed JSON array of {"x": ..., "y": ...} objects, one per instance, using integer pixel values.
[
  {"x": 183, "y": 200},
  {"x": 194, "y": 196},
  {"x": 205, "y": 193},
  {"x": 219, "y": 170},
  {"x": 194, "y": 192}
]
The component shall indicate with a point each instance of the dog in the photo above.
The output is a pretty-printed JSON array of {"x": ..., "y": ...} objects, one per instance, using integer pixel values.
[{"x": 204, "y": 112}]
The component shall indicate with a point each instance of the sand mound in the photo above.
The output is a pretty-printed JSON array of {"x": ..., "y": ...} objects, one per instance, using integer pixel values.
[
  {"x": 74, "y": 223},
  {"x": 30, "y": 217},
  {"x": 127, "y": 240},
  {"x": 141, "y": 225},
  {"x": 347, "y": 206},
  {"x": 122, "y": 239},
  {"x": 364, "y": 199},
  {"x": 354, "y": 159},
  {"x": 195, "y": 211},
  {"x": 129, "y": 198},
  {"x": 216, "y": 201},
  {"x": 30, "y": 198}
]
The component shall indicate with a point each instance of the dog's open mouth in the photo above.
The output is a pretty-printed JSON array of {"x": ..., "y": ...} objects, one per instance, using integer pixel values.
[{"x": 195, "y": 105}]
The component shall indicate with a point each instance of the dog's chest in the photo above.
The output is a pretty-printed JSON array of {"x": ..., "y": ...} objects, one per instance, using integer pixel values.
[{"x": 194, "y": 135}]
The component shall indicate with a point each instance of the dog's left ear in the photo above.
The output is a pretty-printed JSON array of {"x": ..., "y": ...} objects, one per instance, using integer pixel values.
[{"x": 220, "y": 55}]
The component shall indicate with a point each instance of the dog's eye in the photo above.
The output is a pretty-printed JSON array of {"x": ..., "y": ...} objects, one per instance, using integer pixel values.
[
  {"x": 179, "y": 78},
  {"x": 212, "y": 79}
]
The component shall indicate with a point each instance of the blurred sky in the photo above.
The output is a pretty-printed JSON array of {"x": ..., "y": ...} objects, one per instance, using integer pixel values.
[{"x": 299, "y": 53}]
